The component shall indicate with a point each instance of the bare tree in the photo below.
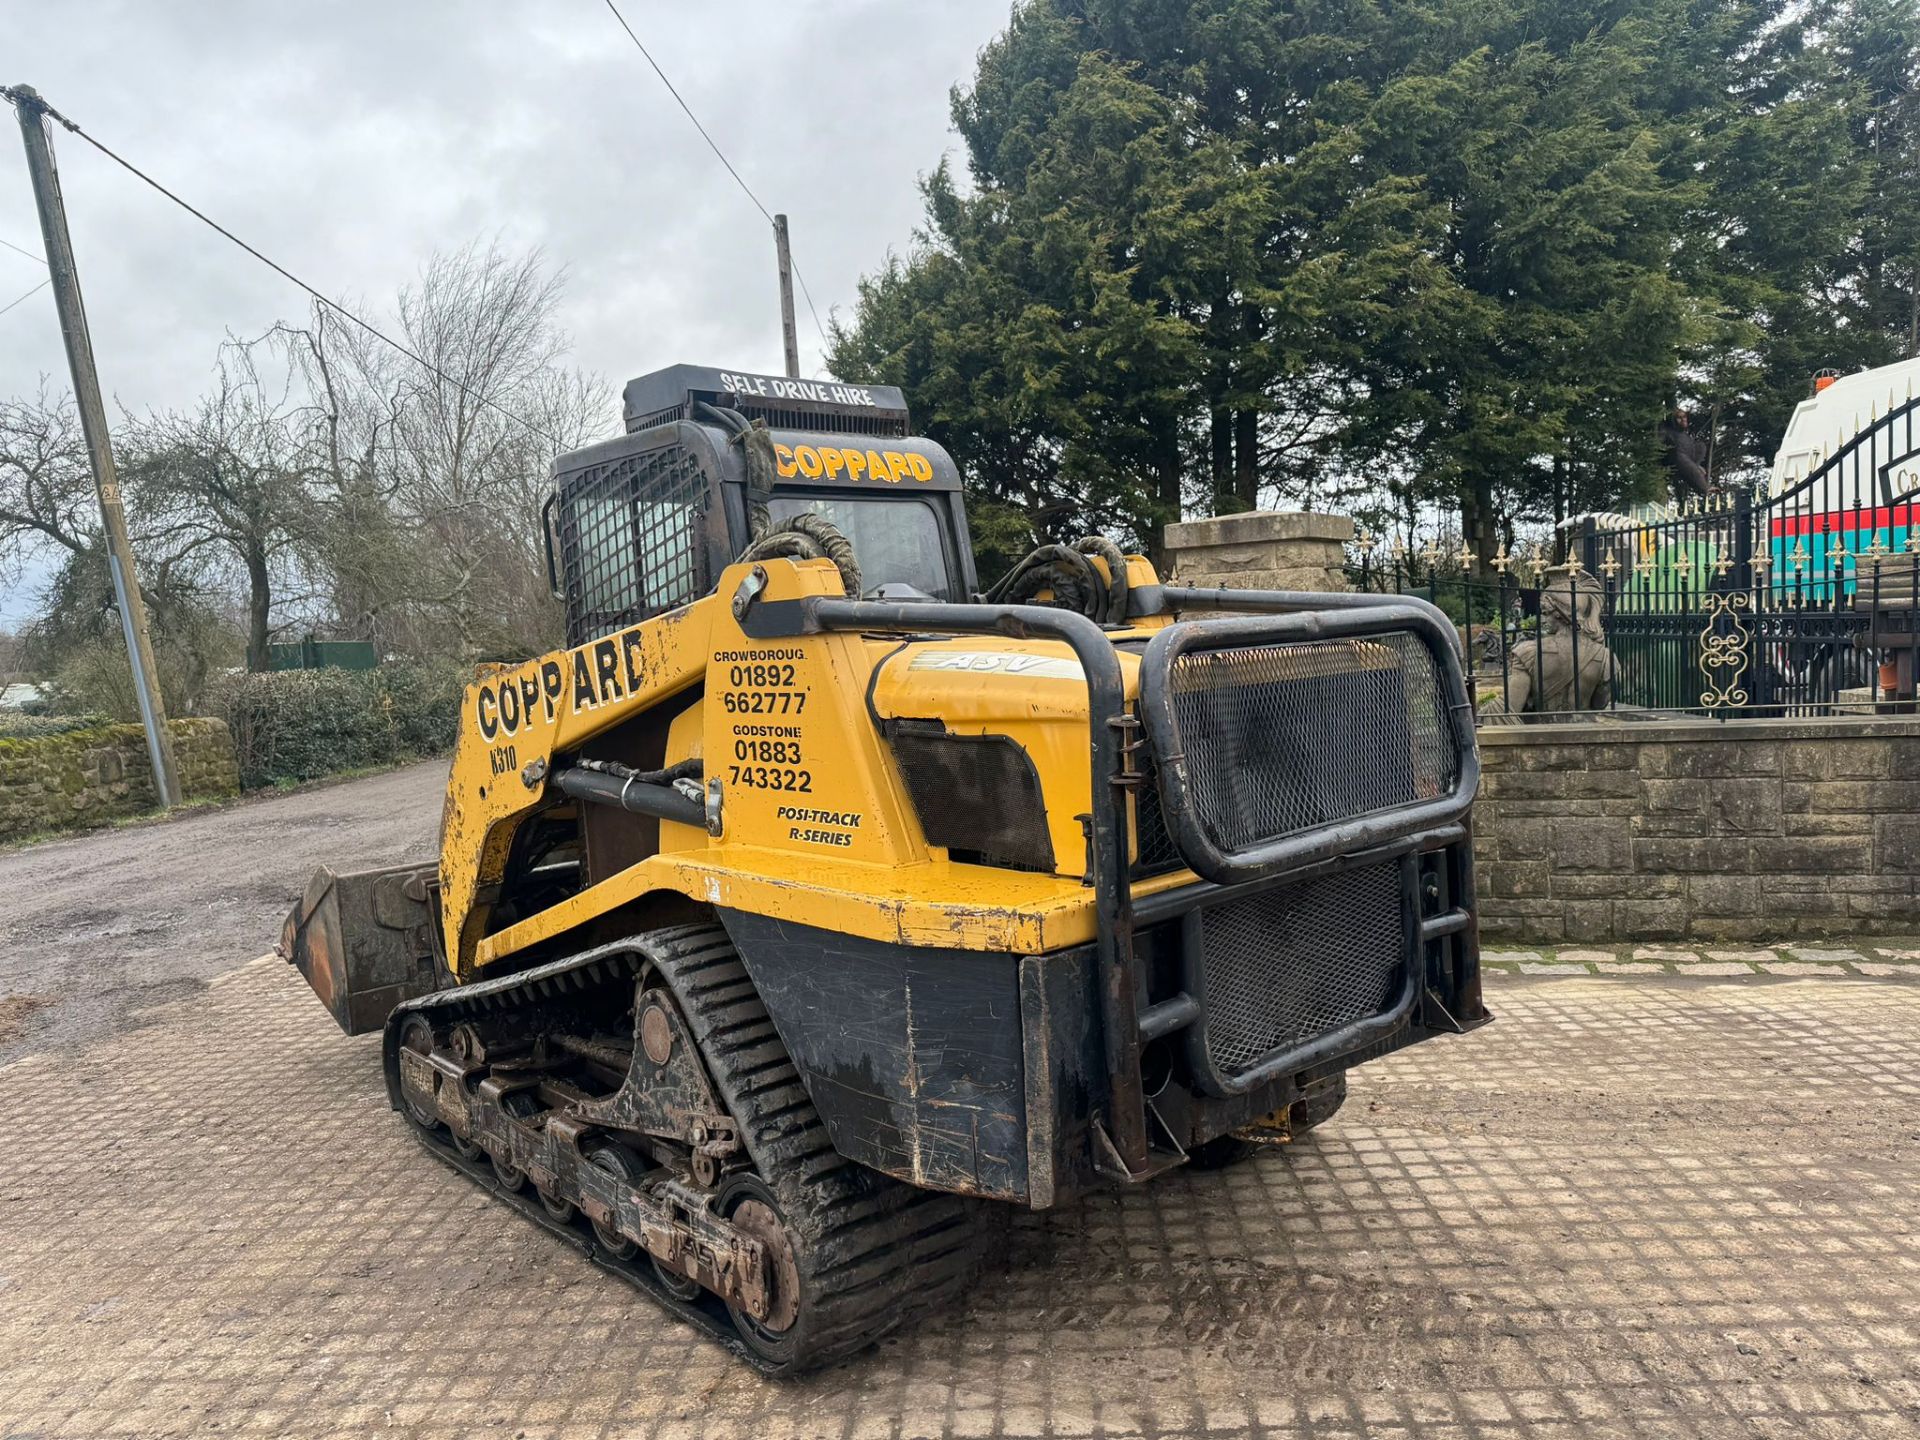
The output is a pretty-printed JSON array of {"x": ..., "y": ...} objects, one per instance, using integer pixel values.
[
  {"x": 49, "y": 512},
  {"x": 46, "y": 485},
  {"x": 430, "y": 477},
  {"x": 229, "y": 481},
  {"x": 356, "y": 543},
  {"x": 476, "y": 438},
  {"x": 326, "y": 474}
]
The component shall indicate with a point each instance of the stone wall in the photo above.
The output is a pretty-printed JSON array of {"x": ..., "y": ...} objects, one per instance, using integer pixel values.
[
  {"x": 84, "y": 777},
  {"x": 1678, "y": 829},
  {"x": 1261, "y": 550}
]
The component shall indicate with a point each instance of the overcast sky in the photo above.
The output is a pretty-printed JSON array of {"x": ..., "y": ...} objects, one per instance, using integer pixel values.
[{"x": 350, "y": 140}]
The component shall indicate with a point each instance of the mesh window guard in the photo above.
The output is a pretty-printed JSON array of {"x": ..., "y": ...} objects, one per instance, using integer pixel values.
[{"x": 632, "y": 539}]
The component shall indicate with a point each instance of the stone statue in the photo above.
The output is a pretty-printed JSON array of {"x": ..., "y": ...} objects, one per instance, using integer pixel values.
[{"x": 1541, "y": 674}]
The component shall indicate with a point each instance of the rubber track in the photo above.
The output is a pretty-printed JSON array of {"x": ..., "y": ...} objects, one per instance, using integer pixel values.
[{"x": 877, "y": 1255}]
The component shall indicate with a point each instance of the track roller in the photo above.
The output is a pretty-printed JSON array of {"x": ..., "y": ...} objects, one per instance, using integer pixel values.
[{"x": 814, "y": 1256}]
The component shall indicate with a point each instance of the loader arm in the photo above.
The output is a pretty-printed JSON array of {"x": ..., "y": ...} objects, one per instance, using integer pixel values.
[{"x": 514, "y": 720}]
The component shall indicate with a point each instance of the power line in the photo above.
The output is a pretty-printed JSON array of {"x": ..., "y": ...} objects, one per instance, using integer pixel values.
[
  {"x": 745, "y": 188},
  {"x": 28, "y": 296},
  {"x": 279, "y": 269},
  {"x": 19, "y": 250},
  {"x": 808, "y": 294}
]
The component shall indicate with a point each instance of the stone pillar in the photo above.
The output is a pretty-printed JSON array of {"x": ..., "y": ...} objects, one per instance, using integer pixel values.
[{"x": 1262, "y": 550}]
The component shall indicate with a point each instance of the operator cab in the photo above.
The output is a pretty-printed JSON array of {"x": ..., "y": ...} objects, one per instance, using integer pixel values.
[{"x": 644, "y": 523}]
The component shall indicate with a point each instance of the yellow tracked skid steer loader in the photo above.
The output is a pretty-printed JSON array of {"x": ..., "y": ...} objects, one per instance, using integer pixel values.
[{"x": 810, "y": 909}]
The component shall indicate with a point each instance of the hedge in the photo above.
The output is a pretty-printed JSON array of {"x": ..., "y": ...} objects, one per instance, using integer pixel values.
[
  {"x": 291, "y": 725},
  {"x": 16, "y": 725}
]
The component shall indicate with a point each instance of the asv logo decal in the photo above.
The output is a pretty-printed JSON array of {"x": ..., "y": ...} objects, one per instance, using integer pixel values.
[{"x": 998, "y": 662}]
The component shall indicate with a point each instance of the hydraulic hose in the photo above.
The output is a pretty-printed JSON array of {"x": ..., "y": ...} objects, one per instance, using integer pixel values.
[
  {"x": 684, "y": 770},
  {"x": 1116, "y": 562},
  {"x": 1068, "y": 573},
  {"x": 637, "y": 797},
  {"x": 755, "y": 443},
  {"x": 809, "y": 537}
]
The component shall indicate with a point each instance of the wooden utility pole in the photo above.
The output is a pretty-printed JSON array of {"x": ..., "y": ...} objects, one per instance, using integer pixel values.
[
  {"x": 787, "y": 332},
  {"x": 93, "y": 424}
]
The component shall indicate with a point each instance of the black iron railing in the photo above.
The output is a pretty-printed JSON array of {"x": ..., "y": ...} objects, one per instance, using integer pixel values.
[{"x": 1800, "y": 599}]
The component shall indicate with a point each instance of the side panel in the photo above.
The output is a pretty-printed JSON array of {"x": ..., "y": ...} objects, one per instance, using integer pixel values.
[
  {"x": 913, "y": 1056},
  {"x": 789, "y": 739},
  {"x": 1065, "y": 1068},
  {"x": 1034, "y": 692}
]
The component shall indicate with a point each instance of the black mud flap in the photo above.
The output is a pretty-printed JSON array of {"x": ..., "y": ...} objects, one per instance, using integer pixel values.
[{"x": 364, "y": 941}]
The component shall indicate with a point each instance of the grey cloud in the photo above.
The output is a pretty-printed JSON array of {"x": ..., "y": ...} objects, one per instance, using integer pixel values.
[{"x": 350, "y": 140}]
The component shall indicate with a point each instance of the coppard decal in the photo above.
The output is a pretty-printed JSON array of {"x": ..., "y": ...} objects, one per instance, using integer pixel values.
[
  {"x": 604, "y": 671},
  {"x": 509, "y": 703},
  {"x": 848, "y": 462}
]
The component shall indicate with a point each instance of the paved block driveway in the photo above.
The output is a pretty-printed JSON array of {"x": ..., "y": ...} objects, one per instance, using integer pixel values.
[{"x": 1658, "y": 1205}]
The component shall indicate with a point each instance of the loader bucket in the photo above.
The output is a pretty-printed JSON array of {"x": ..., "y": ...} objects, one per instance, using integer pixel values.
[{"x": 364, "y": 941}]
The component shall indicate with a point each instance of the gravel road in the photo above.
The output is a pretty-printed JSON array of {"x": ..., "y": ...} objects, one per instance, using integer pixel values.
[{"x": 102, "y": 925}]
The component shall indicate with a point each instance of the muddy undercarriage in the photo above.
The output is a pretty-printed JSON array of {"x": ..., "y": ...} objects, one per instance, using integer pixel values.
[{"x": 679, "y": 1149}]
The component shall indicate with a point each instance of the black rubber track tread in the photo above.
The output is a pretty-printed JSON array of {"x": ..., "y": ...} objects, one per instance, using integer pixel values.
[{"x": 877, "y": 1254}]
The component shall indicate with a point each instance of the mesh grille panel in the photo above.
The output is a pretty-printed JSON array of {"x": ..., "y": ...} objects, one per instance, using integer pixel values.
[
  {"x": 632, "y": 539},
  {"x": 1285, "y": 738},
  {"x": 1289, "y": 965},
  {"x": 1154, "y": 853}
]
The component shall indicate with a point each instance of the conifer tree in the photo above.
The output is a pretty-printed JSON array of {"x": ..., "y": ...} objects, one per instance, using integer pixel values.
[{"x": 1209, "y": 254}]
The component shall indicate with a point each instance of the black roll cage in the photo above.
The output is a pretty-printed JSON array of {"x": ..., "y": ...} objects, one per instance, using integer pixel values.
[{"x": 1280, "y": 616}]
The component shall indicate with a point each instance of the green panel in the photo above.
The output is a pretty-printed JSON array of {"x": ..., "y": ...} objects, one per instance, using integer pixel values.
[{"x": 319, "y": 654}]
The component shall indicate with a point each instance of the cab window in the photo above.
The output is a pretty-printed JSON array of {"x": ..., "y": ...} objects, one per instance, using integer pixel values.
[
  {"x": 897, "y": 540},
  {"x": 632, "y": 540}
]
